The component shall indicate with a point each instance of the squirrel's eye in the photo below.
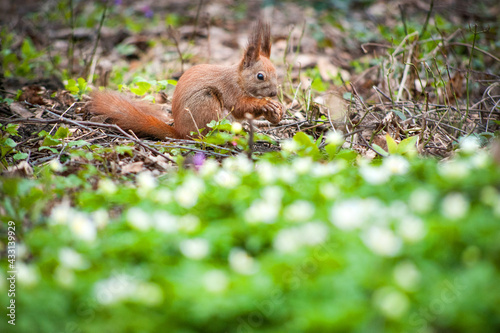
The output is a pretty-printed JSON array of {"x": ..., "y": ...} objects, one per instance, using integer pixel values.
[{"x": 260, "y": 76}]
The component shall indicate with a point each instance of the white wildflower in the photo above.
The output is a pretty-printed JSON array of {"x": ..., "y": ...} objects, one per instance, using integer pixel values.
[
  {"x": 480, "y": 159},
  {"x": 336, "y": 138},
  {"x": 242, "y": 263},
  {"x": 107, "y": 186},
  {"x": 454, "y": 169},
  {"x": 195, "y": 248},
  {"x": 406, "y": 275},
  {"x": 411, "y": 228},
  {"x": 187, "y": 194},
  {"x": 138, "y": 219},
  {"x": 469, "y": 144},
  {"x": 287, "y": 174},
  {"x": 300, "y": 210},
  {"x": 61, "y": 213},
  {"x": 55, "y": 165},
  {"x": 208, "y": 168},
  {"x": 164, "y": 222},
  {"x": 163, "y": 196},
  {"x": 382, "y": 241},
  {"x": 188, "y": 223},
  {"x": 267, "y": 172},
  {"x": 215, "y": 281},
  {"x": 148, "y": 293},
  {"x": 226, "y": 179},
  {"x": 71, "y": 259},
  {"x": 391, "y": 302},
  {"x": 240, "y": 163},
  {"x": 302, "y": 165},
  {"x": 421, "y": 201},
  {"x": 455, "y": 206},
  {"x": 26, "y": 274},
  {"x": 288, "y": 240},
  {"x": 396, "y": 209},
  {"x": 64, "y": 276},
  {"x": 396, "y": 165},
  {"x": 375, "y": 175},
  {"x": 348, "y": 214},
  {"x": 314, "y": 233},
  {"x": 289, "y": 145},
  {"x": 329, "y": 191},
  {"x": 146, "y": 182},
  {"x": 262, "y": 211},
  {"x": 272, "y": 194},
  {"x": 324, "y": 169},
  {"x": 101, "y": 218},
  {"x": 83, "y": 227},
  {"x": 117, "y": 288}
]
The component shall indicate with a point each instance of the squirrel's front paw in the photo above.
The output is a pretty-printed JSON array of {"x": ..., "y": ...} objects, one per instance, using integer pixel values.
[{"x": 273, "y": 111}]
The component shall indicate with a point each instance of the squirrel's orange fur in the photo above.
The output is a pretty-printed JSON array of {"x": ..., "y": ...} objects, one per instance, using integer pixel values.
[{"x": 204, "y": 93}]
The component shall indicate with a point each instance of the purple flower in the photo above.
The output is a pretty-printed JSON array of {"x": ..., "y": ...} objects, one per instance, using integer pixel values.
[
  {"x": 148, "y": 12},
  {"x": 118, "y": 2},
  {"x": 198, "y": 160}
]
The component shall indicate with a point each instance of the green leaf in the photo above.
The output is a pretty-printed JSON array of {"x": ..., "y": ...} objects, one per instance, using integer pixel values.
[
  {"x": 12, "y": 129},
  {"x": 407, "y": 145},
  {"x": 9, "y": 142},
  {"x": 62, "y": 133},
  {"x": 392, "y": 146},
  {"x": 379, "y": 150},
  {"x": 124, "y": 150},
  {"x": 142, "y": 88},
  {"x": 399, "y": 114},
  {"x": 20, "y": 156},
  {"x": 307, "y": 144}
]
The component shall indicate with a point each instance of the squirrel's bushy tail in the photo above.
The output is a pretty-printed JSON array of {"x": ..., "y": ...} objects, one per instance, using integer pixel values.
[{"x": 143, "y": 118}]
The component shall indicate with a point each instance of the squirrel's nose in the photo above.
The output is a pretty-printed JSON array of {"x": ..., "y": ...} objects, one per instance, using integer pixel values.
[{"x": 272, "y": 93}]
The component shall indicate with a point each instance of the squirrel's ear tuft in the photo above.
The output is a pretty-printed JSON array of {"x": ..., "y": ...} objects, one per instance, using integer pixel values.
[
  {"x": 253, "y": 49},
  {"x": 265, "y": 31}
]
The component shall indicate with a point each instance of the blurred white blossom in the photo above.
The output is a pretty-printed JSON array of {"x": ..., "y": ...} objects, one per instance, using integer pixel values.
[
  {"x": 382, "y": 241},
  {"x": 336, "y": 138},
  {"x": 302, "y": 165},
  {"x": 71, "y": 259},
  {"x": 101, "y": 218},
  {"x": 215, "y": 281},
  {"x": 375, "y": 175},
  {"x": 421, "y": 201},
  {"x": 138, "y": 219},
  {"x": 55, "y": 165},
  {"x": 61, "y": 213},
  {"x": 64, "y": 276},
  {"x": 391, "y": 302},
  {"x": 83, "y": 227},
  {"x": 329, "y": 191},
  {"x": 165, "y": 222},
  {"x": 411, "y": 228},
  {"x": 266, "y": 171},
  {"x": 299, "y": 210},
  {"x": 208, "y": 168},
  {"x": 396, "y": 164},
  {"x": 187, "y": 194},
  {"x": 26, "y": 274},
  {"x": 242, "y": 263},
  {"x": 287, "y": 240},
  {"x": 469, "y": 144},
  {"x": 348, "y": 214},
  {"x": 289, "y": 145},
  {"x": 163, "y": 196},
  {"x": 262, "y": 211},
  {"x": 455, "y": 206},
  {"x": 287, "y": 174},
  {"x": 195, "y": 248},
  {"x": 406, "y": 275},
  {"x": 226, "y": 179},
  {"x": 291, "y": 239},
  {"x": 188, "y": 223},
  {"x": 236, "y": 127},
  {"x": 107, "y": 186},
  {"x": 115, "y": 289},
  {"x": 239, "y": 163},
  {"x": 454, "y": 169},
  {"x": 145, "y": 182}
]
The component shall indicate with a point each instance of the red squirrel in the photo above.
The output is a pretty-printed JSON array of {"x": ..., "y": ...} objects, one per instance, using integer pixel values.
[{"x": 204, "y": 93}]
